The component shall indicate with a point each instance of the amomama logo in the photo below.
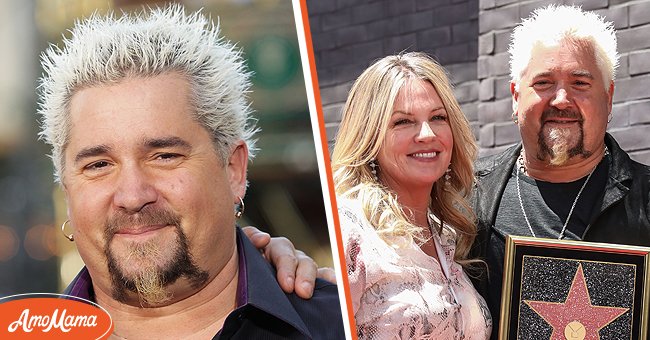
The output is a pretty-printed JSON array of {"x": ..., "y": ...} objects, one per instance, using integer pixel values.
[{"x": 52, "y": 316}]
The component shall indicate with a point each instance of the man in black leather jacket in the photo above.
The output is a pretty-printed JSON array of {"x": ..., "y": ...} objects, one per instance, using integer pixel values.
[
  {"x": 621, "y": 216},
  {"x": 568, "y": 179}
]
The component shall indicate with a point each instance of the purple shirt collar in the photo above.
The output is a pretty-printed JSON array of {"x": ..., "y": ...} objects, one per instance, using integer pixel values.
[{"x": 81, "y": 286}]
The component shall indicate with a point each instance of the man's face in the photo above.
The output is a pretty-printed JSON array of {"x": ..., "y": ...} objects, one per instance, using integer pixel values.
[
  {"x": 562, "y": 104},
  {"x": 150, "y": 201}
]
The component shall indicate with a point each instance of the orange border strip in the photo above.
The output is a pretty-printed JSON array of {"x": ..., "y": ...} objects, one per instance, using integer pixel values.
[{"x": 328, "y": 165}]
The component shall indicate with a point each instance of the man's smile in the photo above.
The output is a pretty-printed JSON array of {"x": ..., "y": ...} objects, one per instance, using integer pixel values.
[{"x": 139, "y": 232}]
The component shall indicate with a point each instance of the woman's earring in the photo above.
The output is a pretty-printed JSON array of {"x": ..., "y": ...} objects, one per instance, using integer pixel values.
[
  {"x": 374, "y": 166},
  {"x": 448, "y": 176}
]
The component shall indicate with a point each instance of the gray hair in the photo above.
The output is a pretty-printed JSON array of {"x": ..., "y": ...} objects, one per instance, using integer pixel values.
[
  {"x": 106, "y": 50},
  {"x": 551, "y": 25}
]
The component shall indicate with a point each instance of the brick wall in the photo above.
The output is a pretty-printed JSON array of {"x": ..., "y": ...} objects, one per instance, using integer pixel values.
[
  {"x": 348, "y": 35},
  {"x": 470, "y": 38}
]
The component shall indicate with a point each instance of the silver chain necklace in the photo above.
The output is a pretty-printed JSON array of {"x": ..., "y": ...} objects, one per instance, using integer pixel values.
[{"x": 522, "y": 168}]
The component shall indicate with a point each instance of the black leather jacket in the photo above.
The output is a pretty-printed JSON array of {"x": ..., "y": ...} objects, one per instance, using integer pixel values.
[{"x": 623, "y": 218}]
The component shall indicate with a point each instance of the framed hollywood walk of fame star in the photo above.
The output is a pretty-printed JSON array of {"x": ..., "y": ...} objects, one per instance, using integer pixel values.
[{"x": 557, "y": 289}]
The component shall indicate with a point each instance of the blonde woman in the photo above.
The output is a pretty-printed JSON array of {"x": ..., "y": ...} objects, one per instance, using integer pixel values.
[{"x": 402, "y": 166}]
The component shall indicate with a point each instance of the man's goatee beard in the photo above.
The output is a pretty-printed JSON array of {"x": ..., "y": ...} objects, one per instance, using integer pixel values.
[
  {"x": 150, "y": 281},
  {"x": 561, "y": 145}
]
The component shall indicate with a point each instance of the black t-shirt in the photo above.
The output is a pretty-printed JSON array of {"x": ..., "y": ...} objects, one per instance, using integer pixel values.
[{"x": 547, "y": 206}]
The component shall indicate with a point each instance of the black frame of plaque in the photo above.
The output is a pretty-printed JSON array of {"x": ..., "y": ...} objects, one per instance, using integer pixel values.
[{"x": 553, "y": 252}]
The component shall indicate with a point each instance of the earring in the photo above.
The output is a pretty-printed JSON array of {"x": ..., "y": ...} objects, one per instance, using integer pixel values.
[
  {"x": 448, "y": 176},
  {"x": 515, "y": 118},
  {"x": 609, "y": 118},
  {"x": 374, "y": 166},
  {"x": 69, "y": 237},
  {"x": 239, "y": 209}
]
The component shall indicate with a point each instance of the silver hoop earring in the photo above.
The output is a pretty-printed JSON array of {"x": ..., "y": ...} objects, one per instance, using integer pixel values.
[
  {"x": 515, "y": 118},
  {"x": 609, "y": 118},
  {"x": 373, "y": 169},
  {"x": 239, "y": 209},
  {"x": 69, "y": 237}
]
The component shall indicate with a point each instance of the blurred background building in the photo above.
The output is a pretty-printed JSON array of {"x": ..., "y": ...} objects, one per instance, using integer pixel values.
[
  {"x": 284, "y": 196},
  {"x": 470, "y": 38}
]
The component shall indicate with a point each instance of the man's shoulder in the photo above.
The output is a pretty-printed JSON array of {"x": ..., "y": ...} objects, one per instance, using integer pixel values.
[
  {"x": 319, "y": 316},
  {"x": 624, "y": 167},
  {"x": 639, "y": 180},
  {"x": 487, "y": 164},
  {"x": 641, "y": 169},
  {"x": 322, "y": 312},
  {"x": 325, "y": 296}
]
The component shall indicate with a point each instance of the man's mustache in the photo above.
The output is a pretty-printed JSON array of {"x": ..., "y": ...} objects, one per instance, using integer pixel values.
[
  {"x": 553, "y": 112},
  {"x": 146, "y": 216}
]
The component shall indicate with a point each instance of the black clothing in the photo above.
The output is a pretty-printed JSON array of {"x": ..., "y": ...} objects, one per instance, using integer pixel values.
[{"x": 621, "y": 214}]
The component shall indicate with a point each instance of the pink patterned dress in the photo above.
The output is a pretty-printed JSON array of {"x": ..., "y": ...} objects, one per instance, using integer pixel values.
[{"x": 399, "y": 292}]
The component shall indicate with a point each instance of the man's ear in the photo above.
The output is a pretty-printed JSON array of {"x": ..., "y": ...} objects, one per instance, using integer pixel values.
[
  {"x": 515, "y": 97},
  {"x": 237, "y": 166}
]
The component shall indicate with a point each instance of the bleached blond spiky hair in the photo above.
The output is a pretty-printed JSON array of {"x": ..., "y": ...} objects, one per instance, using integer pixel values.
[
  {"x": 552, "y": 25},
  {"x": 107, "y": 49}
]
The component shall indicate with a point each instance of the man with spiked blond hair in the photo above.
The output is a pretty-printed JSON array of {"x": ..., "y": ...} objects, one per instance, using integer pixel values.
[
  {"x": 568, "y": 178},
  {"x": 150, "y": 129}
]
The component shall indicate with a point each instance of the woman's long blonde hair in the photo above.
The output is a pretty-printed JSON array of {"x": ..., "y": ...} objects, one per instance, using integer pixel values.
[{"x": 366, "y": 116}]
